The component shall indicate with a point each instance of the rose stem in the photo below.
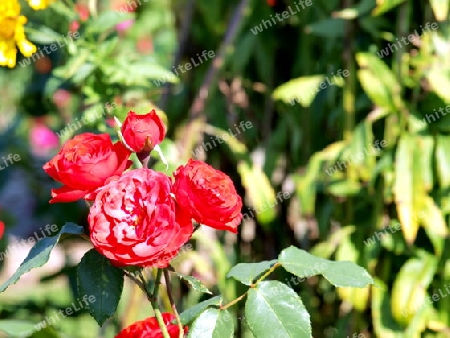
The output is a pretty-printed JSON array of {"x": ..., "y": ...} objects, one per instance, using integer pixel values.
[
  {"x": 174, "y": 307},
  {"x": 155, "y": 305},
  {"x": 144, "y": 158},
  {"x": 138, "y": 283}
]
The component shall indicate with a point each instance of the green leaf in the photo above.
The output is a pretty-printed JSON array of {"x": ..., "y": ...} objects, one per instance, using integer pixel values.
[
  {"x": 439, "y": 80},
  {"x": 105, "y": 21},
  {"x": 246, "y": 273},
  {"x": 302, "y": 90},
  {"x": 357, "y": 297},
  {"x": 97, "y": 277},
  {"x": 410, "y": 285},
  {"x": 325, "y": 248},
  {"x": 379, "y": 82},
  {"x": 256, "y": 183},
  {"x": 363, "y": 150},
  {"x": 16, "y": 328},
  {"x": 409, "y": 189},
  {"x": 361, "y": 9},
  {"x": 40, "y": 253},
  {"x": 195, "y": 283},
  {"x": 341, "y": 274},
  {"x": 213, "y": 323},
  {"x": 425, "y": 144},
  {"x": 275, "y": 310},
  {"x": 443, "y": 160},
  {"x": 259, "y": 191},
  {"x": 382, "y": 319},
  {"x": 73, "y": 66},
  {"x": 343, "y": 188},
  {"x": 190, "y": 314},
  {"x": 329, "y": 28},
  {"x": 386, "y": 5},
  {"x": 433, "y": 222},
  {"x": 43, "y": 36}
]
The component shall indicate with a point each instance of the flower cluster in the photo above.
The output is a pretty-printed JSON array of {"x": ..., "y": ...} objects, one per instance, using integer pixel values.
[
  {"x": 12, "y": 32},
  {"x": 141, "y": 217}
]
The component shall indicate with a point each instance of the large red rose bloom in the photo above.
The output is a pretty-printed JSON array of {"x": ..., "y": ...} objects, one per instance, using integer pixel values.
[{"x": 135, "y": 221}]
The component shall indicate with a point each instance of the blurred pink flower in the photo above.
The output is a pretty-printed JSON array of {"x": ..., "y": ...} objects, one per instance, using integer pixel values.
[
  {"x": 2, "y": 229},
  {"x": 62, "y": 98},
  {"x": 42, "y": 139},
  {"x": 123, "y": 26},
  {"x": 111, "y": 123}
]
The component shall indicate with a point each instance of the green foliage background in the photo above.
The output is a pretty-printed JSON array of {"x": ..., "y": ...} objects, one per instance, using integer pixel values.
[{"x": 402, "y": 188}]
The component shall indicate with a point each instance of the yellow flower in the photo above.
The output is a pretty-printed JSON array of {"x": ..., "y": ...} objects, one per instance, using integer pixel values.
[
  {"x": 12, "y": 33},
  {"x": 9, "y": 8},
  {"x": 7, "y": 53},
  {"x": 39, "y": 4}
]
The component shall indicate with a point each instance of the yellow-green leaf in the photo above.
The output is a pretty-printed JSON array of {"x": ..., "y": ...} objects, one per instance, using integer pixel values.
[
  {"x": 302, "y": 90},
  {"x": 409, "y": 190},
  {"x": 410, "y": 287},
  {"x": 443, "y": 160},
  {"x": 385, "y": 5},
  {"x": 440, "y": 9}
]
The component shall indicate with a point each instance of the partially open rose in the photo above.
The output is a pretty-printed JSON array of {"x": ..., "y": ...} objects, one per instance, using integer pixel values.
[
  {"x": 84, "y": 164},
  {"x": 209, "y": 195},
  {"x": 135, "y": 221}
]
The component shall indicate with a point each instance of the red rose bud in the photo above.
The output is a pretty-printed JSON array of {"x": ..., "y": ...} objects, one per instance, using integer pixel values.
[
  {"x": 142, "y": 133},
  {"x": 209, "y": 195},
  {"x": 135, "y": 221},
  {"x": 149, "y": 328},
  {"x": 83, "y": 11},
  {"x": 84, "y": 164},
  {"x": 74, "y": 26}
]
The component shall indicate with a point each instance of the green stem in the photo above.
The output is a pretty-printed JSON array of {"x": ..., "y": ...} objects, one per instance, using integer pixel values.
[
  {"x": 172, "y": 302},
  {"x": 155, "y": 305},
  {"x": 349, "y": 94}
]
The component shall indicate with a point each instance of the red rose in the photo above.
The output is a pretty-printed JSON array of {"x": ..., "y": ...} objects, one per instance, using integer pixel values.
[
  {"x": 149, "y": 328},
  {"x": 143, "y": 132},
  {"x": 209, "y": 195},
  {"x": 84, "y": 164},
  {"x": 135, "y": 220}
]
